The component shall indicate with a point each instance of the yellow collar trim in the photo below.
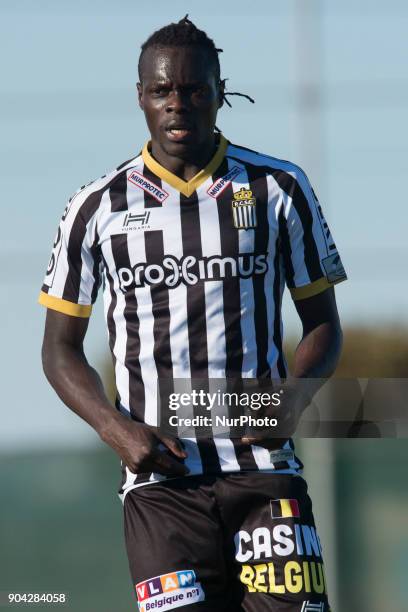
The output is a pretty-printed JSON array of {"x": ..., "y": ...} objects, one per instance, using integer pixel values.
[{"x": 186, "y": 187}]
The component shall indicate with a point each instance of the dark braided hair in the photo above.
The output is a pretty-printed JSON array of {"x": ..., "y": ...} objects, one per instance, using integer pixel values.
[{"x": 185, "y": 34}]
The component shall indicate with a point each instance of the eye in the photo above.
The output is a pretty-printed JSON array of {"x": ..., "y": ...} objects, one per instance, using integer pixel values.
[
  {"x": 202, "y": 91},
  {"x": 160, "y": 91}
]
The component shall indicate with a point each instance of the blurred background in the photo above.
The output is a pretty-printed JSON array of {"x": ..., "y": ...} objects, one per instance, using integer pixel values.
[{"x": 331, "y": 89}]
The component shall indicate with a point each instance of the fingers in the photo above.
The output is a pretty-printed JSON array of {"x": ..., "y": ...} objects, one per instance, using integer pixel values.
[
  {"x": 174, "y": 445},
  {"x": 166, "y": 465}
]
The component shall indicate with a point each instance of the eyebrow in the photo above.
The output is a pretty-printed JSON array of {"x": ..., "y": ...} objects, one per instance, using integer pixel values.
[{"x": 169, "y": 82}]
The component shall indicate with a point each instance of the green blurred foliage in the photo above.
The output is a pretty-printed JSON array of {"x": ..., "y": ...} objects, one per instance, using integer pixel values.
[
  {"x": 369, "y": 352},
  {"x": 61, "y": 530}
]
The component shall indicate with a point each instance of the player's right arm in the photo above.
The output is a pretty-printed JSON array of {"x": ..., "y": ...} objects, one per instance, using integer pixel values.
[
  {"x": 81, "y": 389},
  {"x": 69, "y": 290}
]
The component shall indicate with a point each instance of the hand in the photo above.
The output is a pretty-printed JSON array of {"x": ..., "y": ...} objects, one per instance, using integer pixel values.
[
  {"x": 293, "y": 401},
  {"x": 137, "y": 445}
]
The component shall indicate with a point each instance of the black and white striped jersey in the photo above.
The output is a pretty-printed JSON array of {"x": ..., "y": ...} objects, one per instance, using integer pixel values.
[{"x": 193, "y": 275}]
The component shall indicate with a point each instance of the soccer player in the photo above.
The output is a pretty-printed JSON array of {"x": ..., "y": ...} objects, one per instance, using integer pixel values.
[{"x": 194, "y": 239}]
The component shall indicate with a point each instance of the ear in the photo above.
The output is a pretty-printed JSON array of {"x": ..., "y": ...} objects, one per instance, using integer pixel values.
[
  {"x": 221, "y": 91},
  {"x": 140, "y": 94}
]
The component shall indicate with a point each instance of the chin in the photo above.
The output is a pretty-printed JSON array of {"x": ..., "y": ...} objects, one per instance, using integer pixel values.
[{"x": 181, "y": 149}]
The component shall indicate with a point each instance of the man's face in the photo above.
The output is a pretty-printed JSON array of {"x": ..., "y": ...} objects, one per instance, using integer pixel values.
[{"x": 180, "y": 97}]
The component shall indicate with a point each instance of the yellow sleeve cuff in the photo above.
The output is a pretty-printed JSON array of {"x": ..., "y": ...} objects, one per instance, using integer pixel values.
[
  {"x": 301, "y": 293},
  {"x": 64, "y": 306}
]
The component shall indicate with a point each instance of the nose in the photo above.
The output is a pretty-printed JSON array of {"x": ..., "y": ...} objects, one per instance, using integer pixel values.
[{"x": 178, "y": 102}]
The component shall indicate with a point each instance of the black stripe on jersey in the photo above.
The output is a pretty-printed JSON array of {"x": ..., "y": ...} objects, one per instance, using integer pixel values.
[
  {"x": 125, "y": 163},
  {"x": 154, "y": 246},
  {"x": 323, "y": 223},
  {"x": 76, "y": 238},
  {"x": 117, "y": 193},
  {"x": 286, "y": 248},
  {"x": 96, "y": 273},
  {"x": 244, "y": 455},
  {"x": 277, "y": 300},
  {"x": 244, "y": 149},
  {"x": 231, "y": 289},
  {"x": 120, "y": 253},
  {"x": 150, "y": 201},
  {"x": 109, "y": 317},
  {"x": 197, "y": 325},
  {"x": 123, "y": 478},
  {"x": 258, "y": 186}
]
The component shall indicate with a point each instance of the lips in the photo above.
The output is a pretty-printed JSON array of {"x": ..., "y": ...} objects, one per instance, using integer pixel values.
[{"x": 179, "y": 133}]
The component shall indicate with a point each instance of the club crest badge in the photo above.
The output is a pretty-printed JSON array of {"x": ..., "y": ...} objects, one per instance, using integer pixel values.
[{"x": 244, "y": 209}]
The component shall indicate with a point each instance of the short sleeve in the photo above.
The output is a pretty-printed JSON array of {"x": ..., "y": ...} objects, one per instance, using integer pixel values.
[
  {"x": 73, "y": 275},
  {"x": 311, "y": 260}
]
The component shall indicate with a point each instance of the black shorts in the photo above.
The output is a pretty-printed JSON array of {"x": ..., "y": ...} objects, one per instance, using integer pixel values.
[{"x": 238, "y": 542}]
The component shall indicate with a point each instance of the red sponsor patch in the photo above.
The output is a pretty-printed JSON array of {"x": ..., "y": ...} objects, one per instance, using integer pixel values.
[
  {"x": 141, "y": 181},
  {"x": 221, "y": 183}
]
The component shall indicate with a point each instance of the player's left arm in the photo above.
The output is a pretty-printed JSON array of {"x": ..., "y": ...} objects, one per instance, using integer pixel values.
[{"x": 318, "y": 352}]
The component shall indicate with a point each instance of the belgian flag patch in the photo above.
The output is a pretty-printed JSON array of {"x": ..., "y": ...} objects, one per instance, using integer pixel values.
[{"x": 284, "y": 508}]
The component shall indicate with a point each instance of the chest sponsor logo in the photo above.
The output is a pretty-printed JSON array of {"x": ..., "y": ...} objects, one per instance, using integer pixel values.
[
  {"x": 136, "y": 221},
  {"x": 220, "y": 184},
  {"x": 244, "y": 209},
  {"x": 189, "y": 270},
  {"x": 141, "y": 181},
  {"x": 169, "y": 591}
]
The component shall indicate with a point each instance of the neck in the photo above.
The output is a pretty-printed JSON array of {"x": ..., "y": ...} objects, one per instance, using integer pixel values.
[{"x": 185, "y": 169}]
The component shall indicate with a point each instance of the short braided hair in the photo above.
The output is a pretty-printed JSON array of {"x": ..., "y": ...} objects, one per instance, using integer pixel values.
[{"x": 182, "y": 34}]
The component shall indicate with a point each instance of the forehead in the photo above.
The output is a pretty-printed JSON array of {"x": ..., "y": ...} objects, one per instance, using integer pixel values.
[{"x": 178, "y": 64}]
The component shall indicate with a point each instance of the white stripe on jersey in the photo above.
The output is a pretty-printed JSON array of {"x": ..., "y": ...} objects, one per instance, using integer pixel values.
[
  {"x": 246, "y": 245},
  {"x": 179, "y": 342},
  {"x": 226, "y": 453},
  {"x": 211, "y": 245},
  {"x": 119, "y": 322},
  {"x": 301, "y": 275},
  {"x": 137, "y": 253}
]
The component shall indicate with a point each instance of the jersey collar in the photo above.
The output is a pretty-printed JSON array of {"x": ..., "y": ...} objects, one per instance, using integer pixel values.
[{"x": 185, "y": 187}]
